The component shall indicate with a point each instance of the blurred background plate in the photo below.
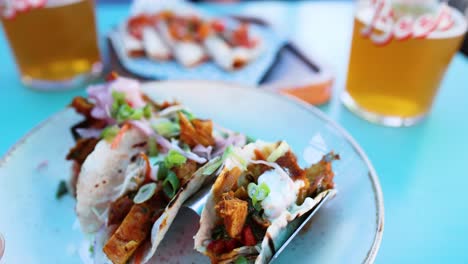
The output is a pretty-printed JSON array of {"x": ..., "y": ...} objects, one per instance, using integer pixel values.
[
  {"x": 251, "y": 74},
  {"x": 38, "y": 228}
]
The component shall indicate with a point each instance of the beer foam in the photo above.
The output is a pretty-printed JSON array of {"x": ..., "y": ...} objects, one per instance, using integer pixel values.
[
  {"x": 58, "y": 3},
  {"x": 365, "y": 15}
]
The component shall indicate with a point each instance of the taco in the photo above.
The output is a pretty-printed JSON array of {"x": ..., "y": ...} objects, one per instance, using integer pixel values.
[
  {"x": 136, "y": 162},
  {"x": 231, "y": 45},
  {"x": 184, "y": 34},
  {"x": 259, "y": 190}
]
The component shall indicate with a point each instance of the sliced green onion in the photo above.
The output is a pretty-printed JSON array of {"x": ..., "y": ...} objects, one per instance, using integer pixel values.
[
  {"x": 262, "y": 191},
  {"x": 145, "y": 193},
  {"x": 241, "y": 260},
  {"x": 109, "y": 133},
  {"x": 162, "y": 170},
  {"x": 152, "y": 147},
  {"x": 278, "y": 152},
  {"x": 185, "y": 147},
  {"x": 166, "y": 128},
  {"x": 212, "y": 166},
  {"x": 257, "y": 193},
  {"x": 137, "y": 114},
  {"x": 252, "y": 191},
  {"x": 190, "y": 116},
  {"x": 250, "y": 140},
  {"x": 174, "y": 158},
  {"x": 118, "y": 97},
  {"x": 171, "y": 184},
  {"x": 147, "y": 111},
  {"x": 61, "y": 189},
  {"x": 124, "y": 113},
  {"x": 91, "y": 249}
]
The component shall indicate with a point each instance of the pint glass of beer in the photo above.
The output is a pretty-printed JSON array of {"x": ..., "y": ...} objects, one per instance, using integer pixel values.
[
  {"x": 400, "y": 51},
  {"x": 54, "y": 41}
]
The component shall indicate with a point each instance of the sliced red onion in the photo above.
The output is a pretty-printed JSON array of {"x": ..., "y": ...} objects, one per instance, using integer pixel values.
[
  {"x": 143, "y": 126},
  {"x": 234, "y": 139},
  {"x": 167, "y": 145},
  {"x": 132, "y": 90},
  {"x": 89, "y": 132},
  {"x": 102, "y": 98},
  {"x": 163, "y": 142},
  {"x": 171, "y": 109},
  {"x": 203, "y": 151},
  {"x": 188, "y": 154}
]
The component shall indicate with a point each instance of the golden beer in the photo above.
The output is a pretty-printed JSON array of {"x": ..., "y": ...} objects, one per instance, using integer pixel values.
[
  {"x": 399, "y": 79},
  {"x": 54, "y": 44}
]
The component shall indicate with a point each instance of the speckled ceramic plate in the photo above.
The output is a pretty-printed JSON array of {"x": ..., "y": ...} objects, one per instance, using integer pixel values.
[{"x": 38, "y": 228}]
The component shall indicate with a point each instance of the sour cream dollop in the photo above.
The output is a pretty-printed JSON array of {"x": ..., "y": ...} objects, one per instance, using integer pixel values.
[{"x": 283, "y": 192}]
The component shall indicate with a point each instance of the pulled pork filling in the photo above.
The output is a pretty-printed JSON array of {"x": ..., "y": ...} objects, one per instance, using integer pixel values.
[{"x": 248, "y": 201}]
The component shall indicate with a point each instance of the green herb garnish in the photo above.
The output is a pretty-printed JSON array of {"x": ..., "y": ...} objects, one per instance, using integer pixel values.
[
  {"x": 147, "y": 111},
  {"x": 241, "y": 260},
  {"x": 174, "y": 158},
  {"x": 61, "y": 189},
  {"x": 171, "y": 184},
  {"x": 152, "y": 147},
  {"x": 145, "y": 193},
  {"x": 109, "y": 133},
  {"x": 257, "y": 192},
  {"x": 166, "y": 128}
]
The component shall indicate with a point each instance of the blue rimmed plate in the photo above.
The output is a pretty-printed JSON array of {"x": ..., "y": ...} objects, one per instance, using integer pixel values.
[{"x": 348, "y": 229}]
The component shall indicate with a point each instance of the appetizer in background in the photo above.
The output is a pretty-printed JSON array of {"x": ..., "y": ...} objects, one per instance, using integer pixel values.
[
  {"x": 185, "y": 34},
  {"x": 232, "y": 46},
  {"x": 190, "y": 39}
]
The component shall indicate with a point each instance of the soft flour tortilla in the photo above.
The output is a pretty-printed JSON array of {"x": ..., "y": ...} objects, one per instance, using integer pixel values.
[
  {"x": 101, "y": 174},
  {"x": 274, "y": 236}
]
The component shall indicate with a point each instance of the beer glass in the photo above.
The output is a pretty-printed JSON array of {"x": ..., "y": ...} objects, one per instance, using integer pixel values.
[
  {"x": 399, "y": 53},
  {"x": 55, "y": 45}
]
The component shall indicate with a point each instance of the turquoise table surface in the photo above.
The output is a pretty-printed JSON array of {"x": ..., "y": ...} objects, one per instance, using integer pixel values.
[{"x": 421, "y": 168}]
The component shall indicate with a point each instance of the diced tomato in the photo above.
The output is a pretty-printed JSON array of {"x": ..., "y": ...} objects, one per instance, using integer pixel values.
[
  {"x": 136, "y": 25},
  {"x": 203, "y": 31},
  {"x": 218, "y": 26},
  {"x": 248, "y": 238},
  {"x": 231, "y": 244},
  {"x": 112, "y": 76},
  {"x": 240, "y": 36},
  {"x": 216, "y": 246},
  {"x": 221, "y": 246}
]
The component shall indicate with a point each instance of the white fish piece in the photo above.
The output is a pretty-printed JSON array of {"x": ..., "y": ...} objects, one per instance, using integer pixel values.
[{"x": 154, "y": 46}]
